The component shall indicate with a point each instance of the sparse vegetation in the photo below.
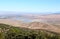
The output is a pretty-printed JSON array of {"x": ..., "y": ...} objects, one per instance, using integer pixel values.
[{"x": 10, "y": 32}]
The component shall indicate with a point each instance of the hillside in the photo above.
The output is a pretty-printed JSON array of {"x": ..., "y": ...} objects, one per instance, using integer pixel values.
[{"x": 10, "y": 32}]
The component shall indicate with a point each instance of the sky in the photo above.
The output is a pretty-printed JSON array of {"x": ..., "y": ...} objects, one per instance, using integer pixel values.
[{"x": 34, "y": 6}]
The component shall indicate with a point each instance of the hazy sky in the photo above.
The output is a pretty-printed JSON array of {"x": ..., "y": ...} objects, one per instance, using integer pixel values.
[{"x": 30, "y": 5}]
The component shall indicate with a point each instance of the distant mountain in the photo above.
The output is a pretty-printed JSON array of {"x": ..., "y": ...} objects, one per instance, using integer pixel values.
[{"x": 56, "y": 13}]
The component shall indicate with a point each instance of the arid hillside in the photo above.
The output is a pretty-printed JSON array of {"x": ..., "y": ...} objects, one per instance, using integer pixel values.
[
  {"x": 44, "y": 26},
  {"x": 32, "y": 25}
]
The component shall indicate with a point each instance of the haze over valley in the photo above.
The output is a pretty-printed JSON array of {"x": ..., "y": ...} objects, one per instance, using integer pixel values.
[{"x": 33, "y": 21}]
